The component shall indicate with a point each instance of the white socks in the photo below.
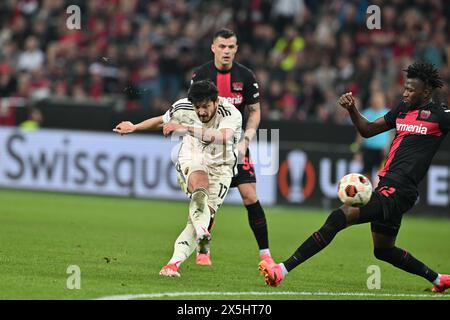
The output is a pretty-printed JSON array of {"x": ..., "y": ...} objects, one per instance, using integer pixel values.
[
  {"x": 197, "y": 226},
  {"x": 184, "y": 245},
  {"x": 283, "y": 269},
  {"x": 437, "y": 281},
  {"x": 199, "y": 211},
  {"x": 264, "y": 252}
]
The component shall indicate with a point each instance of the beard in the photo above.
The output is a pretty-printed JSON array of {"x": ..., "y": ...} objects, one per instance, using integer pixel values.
[{"x": 414, "y": 104}]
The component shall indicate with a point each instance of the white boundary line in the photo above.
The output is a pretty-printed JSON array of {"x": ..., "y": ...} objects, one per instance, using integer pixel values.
[{"x": 280, "y": 293}]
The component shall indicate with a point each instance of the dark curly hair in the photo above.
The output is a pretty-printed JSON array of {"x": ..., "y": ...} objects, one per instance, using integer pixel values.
[
  {"x": 202, "y": 91},
  {"x": 426, "y": 72}
]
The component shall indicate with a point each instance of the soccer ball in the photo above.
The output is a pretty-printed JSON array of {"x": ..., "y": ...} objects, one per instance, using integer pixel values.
[{"x": 354, "y": 190}]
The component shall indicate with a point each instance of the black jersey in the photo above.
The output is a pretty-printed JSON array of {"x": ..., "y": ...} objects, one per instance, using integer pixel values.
[
  {"x": 238, "y": 85},
  {"x": 419, "y": 133}
]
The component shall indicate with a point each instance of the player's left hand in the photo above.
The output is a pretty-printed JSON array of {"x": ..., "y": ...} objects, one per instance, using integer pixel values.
[{"x": 169, "y": 128}]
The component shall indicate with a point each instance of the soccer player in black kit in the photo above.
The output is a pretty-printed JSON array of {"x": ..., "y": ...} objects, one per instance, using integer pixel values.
[
  {"x": 238, "y": 84},
  {"x": 420, "y": 125}
]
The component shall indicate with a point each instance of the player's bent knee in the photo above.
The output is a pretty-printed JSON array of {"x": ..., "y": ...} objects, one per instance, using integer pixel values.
[
  {"x": 337, "y": 220},
  {"x": 198, "y": 179},
  {"x": 351, "y": 214},
  {"x": 248, "y": 194}
]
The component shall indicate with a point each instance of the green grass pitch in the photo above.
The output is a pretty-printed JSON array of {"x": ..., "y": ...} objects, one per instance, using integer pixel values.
[{"x": 120, "y": 245}]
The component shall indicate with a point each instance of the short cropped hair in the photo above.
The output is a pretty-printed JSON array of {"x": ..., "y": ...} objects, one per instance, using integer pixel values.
[
  {"x": 224, "y": 33},
  {"x": 202, "y": 91}
]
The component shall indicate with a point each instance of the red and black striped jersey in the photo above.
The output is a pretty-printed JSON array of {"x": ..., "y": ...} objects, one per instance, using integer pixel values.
[
  {"x": 238, "y": 85},
  {"x": 419, "y": 133}
]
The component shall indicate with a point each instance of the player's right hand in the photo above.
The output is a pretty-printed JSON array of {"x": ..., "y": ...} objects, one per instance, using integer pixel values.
[
  {"x": 125, "y": 127},
  {"x": 347, "y": 101},
  {"x": 242, "y": 147}
]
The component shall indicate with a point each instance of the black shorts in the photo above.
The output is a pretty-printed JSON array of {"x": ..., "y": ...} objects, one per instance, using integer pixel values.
[
  {"x": 246, "y": 172},
  {"x": 387, "y": 205}
]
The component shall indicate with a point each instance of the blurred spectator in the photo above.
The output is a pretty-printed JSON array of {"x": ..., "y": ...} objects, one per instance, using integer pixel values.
[
  {"x": 9, "y": 54},
  {"x": 23, "y": 86},
  {"x": 432, "y": 49},
  {"x": 288, "y": 12},
  {"x": 33, "y": 57},
  {"x": 287, "y": 48},
  {"x": 328, "y": 108},
  {"x": 40, "y": 84},
  {"x": 8, "y": 82},
  {"x": 170, "y": 71},
  {"x": 274, "y": 98},
  {"x": 309, "y": 99},
  {"x": 325, "y": 32},
  {"x": 96, "y": 85},
  {"x": 362, "y": 78},
  {"x": 149, "y": 84},
  {"x": 346, "y": 70},
  {"x": 34, "y": 120}
]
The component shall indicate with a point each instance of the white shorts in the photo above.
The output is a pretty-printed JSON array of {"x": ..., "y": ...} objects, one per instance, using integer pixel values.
[{"x": 219, "y": 181}]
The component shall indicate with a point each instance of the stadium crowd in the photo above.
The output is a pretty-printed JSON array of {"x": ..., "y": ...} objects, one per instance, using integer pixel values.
[{"x": 305, "y": 53}]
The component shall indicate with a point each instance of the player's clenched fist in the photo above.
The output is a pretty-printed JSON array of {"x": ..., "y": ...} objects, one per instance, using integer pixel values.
[
  {"x": 347, "y": 101},
  {"x": 125, "y": 127}
]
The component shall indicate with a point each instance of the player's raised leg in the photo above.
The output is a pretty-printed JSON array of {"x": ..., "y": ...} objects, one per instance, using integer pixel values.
[{"x": 338, "y": 220}]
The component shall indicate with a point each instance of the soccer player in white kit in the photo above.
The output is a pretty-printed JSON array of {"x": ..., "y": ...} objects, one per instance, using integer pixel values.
[{"x": 207, "y": 160}]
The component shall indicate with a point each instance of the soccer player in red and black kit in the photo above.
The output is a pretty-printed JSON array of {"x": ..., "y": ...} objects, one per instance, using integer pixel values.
[
  {"x": 238, "y": 84},
  {"x": 420, "y": 126}
]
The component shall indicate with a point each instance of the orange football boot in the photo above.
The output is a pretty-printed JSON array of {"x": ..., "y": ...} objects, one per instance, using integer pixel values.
[
  {"x": 271, "y": 272},
  {"x": 445, "y": 284},
  {"x": 170, "y": 270}
]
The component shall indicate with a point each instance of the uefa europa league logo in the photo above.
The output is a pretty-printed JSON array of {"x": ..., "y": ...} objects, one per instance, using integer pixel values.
[{"x": 297, "y": 162}]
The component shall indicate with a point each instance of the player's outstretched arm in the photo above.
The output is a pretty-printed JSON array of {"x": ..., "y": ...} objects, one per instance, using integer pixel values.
[
  {"x": 171, "y": 127},
  {"x": 365, "y": 127},
  {"x": 126, "y": 127},
  {"x": 219, "y": 136}
]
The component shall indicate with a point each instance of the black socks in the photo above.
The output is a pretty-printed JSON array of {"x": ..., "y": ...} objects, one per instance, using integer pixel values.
[
  {"x": 404, "y": 260},
  {"x": 318, "y": 240},
  {"x": 257, "y": 221}
]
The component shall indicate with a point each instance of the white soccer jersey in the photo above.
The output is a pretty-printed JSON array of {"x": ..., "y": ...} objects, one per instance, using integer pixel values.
[{"x": 214, "y": 156}]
